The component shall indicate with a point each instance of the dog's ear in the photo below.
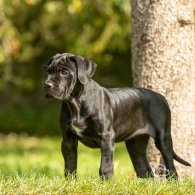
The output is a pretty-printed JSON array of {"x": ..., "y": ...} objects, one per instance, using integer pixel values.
[{"x": 85, "y": 68}]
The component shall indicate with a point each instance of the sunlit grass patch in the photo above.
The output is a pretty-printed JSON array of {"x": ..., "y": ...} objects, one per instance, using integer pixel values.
[
  {"x": 42, "y": 184},
  {"x": 24, "y": 155},
  {"x": 30, "y": 165}
]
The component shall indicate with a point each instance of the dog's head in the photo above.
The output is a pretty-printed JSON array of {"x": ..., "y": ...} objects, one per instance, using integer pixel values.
[{"x": 64, "y": 71}]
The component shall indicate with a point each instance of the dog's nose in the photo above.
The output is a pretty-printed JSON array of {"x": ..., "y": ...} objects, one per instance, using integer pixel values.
[{"x": 48, "y": 85}]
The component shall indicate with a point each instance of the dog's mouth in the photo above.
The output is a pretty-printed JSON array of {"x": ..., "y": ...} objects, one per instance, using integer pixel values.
[
  {"x": 59, "y": 96},
  {"x": 48, "y": 95}
]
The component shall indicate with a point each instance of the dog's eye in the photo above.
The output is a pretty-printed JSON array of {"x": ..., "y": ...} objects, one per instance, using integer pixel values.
[{"x": 65, "y": 72}]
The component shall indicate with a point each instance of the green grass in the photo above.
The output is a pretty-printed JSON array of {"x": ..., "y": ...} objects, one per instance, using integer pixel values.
[{"x": 30, "y": 165}]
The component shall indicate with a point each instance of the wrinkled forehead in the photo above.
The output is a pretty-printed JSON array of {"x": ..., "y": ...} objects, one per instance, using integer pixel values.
[{"x": 61, "y": 61}]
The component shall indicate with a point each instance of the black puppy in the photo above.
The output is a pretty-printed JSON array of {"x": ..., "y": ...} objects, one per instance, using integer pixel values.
[{"x": 99, "y": 117}]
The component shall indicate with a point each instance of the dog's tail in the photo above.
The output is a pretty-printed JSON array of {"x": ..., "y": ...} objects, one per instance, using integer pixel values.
[{"x": 180, "y": 160}]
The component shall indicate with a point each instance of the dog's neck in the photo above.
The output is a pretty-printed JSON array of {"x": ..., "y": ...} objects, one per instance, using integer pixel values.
[
  {"x": 75, "y": 102},
  {"x": 80, "y": 90},
  {"x": 79, "y": 100}
]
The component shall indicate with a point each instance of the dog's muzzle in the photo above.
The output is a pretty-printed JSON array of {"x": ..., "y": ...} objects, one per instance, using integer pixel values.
[{"x": 48, "y": 86}]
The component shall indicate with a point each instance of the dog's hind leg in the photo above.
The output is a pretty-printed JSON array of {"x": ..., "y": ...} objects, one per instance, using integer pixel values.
[
  {"x": 163, "y": 142},
  {"x": 137, "y": 150}
]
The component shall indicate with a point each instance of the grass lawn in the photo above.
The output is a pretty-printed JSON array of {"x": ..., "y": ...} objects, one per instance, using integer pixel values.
[{"x": 30, "y": 165}]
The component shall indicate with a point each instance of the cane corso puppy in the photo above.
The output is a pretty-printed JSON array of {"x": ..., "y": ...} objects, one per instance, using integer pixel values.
[{"x": 99, "y": 117}]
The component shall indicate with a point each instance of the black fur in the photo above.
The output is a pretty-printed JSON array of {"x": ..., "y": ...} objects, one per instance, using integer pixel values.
[{"x": 99, "y": 117}]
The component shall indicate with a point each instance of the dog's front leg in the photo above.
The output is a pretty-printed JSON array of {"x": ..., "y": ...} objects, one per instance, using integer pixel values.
[
  {"x": 69, "y": 150},
  {"x": 107, "y": 155}
]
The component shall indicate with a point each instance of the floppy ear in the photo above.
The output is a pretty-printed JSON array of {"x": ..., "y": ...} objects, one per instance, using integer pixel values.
[{"x": 85, "y": 68}]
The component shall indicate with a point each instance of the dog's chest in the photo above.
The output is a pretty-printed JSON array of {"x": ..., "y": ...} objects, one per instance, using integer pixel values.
[
  {"x": 78, "y": 126},
  {"x": 77, "y": 130},
  {"x": 84, "y": 134}
]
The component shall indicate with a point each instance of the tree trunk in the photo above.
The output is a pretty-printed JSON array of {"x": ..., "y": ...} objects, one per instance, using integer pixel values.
[{"x": 163, "y": 60}]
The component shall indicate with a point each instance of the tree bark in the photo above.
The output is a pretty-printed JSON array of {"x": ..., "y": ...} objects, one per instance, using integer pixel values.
[{"x": 163, "y": 59}]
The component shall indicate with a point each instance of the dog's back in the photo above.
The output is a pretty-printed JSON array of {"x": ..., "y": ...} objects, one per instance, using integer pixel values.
[{"x": 137, "y": 109}]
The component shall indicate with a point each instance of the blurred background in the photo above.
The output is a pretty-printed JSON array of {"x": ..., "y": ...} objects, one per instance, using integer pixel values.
[{"x": 32, "y": 31}]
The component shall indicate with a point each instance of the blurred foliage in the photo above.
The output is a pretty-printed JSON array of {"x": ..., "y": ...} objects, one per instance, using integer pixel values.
[{"x": 34, "y": 30}]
